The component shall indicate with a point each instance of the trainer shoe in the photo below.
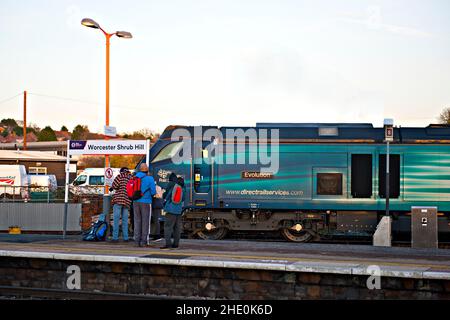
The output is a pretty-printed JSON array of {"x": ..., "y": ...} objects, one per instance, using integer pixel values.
[{"x": 165, "y": 248}]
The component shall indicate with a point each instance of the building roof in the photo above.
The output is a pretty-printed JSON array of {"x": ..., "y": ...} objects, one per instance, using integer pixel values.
[
  {"x": 41, "y": 146},
  {"x": 30, "y": 155}
]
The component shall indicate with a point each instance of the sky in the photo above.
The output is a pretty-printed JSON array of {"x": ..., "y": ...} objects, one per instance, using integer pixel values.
[{"x": 226, "y": 63}]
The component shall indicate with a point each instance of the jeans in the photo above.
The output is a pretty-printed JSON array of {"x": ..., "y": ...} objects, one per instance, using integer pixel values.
[
  {"x": 120, "y": 212},
  {"x": 172, "y": 226},
  {"x": 155, "y": 228},
  {"x": 142, "y": 214}
]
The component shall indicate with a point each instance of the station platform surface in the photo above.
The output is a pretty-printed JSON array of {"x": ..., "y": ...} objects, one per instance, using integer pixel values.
[{"x": 275, "y": 256}]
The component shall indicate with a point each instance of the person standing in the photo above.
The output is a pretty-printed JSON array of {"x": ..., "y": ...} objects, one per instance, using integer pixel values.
[
  {"x": 143, "y": 206},
  {"x": 174, "y": 202},
  {"x": 121, "y": 204},
  {"x": 157, "y": 206}
]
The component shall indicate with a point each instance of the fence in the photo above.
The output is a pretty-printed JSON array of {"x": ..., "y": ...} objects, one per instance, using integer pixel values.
[
  {"x": 47, "y": 194},
  {"x": 39, "y": 217},
  {"x": 41, "y": 209}
]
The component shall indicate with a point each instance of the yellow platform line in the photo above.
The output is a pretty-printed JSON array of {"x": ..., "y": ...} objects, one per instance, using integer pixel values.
[{"x": 232, "y": 256}]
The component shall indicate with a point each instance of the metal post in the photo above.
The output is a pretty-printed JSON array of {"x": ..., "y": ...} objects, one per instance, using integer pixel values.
[
  {"x": 66, "y": 194},
  {"x": 147, "y": 155},
  {"x": 387, "y": 179},
  {"x": 106, "y": 196},
  {"x": 24, "y": 120}
]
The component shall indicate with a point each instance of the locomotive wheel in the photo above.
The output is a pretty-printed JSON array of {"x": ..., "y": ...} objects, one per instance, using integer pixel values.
[
  {"x": 215, "y": 234},
  {"x": 296, "y": 236}
]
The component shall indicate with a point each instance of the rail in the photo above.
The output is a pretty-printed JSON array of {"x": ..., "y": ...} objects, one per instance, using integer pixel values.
[{"x": 44, "y": 194}]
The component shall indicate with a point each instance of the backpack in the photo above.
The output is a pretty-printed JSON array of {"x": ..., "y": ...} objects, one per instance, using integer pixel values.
[
  {"x": 134, "y": 188},
  {"x": 177, "y": 194},
  {"x": 97, "y": 232}
]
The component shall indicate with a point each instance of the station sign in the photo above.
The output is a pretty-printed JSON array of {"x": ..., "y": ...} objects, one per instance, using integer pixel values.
[
  {"x": 108, "y": 147},
  {"x": 389, "y": 134},
  {"x": 110, "y": 131},
  {"x": 389, "y": 130}
]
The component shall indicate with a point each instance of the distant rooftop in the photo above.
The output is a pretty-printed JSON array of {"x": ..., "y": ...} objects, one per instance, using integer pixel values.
[{"x": 30, "y": 155}]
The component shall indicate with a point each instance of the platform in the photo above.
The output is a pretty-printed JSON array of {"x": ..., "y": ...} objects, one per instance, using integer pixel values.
[{"x": 294, "y": 260}]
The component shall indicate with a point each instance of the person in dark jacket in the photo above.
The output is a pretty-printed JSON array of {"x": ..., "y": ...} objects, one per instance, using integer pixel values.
[
  {"x": 173, "y": 217},
  {"x": 157, "y": 206}
]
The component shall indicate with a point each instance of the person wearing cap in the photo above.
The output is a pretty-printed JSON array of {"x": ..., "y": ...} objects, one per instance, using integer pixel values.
[
  {"x": 143, "y": 206},
  {"x": 121, "y": 204}
]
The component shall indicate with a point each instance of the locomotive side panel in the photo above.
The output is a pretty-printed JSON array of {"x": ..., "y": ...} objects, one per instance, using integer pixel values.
[{"x": 290, "y": 187}]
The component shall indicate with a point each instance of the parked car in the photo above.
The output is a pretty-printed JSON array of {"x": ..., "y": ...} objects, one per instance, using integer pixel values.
[{"x": 13, "y": 181}]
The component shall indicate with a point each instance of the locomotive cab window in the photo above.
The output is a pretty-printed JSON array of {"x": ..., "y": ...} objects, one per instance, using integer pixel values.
[
  {"x": 361, "y": 185},
  {"x": 168, "y": 152},
  {"x": 329, "y": 184},
  {"x": 394, "y": 173}
]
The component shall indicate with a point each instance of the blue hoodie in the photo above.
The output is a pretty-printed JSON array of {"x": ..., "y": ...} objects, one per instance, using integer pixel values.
[{"x": 148, "y": 187}]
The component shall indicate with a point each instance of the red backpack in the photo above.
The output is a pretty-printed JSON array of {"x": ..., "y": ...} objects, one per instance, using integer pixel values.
[
  {"x": 177, "y": 194},
  {"x": 134, "y": 188}
]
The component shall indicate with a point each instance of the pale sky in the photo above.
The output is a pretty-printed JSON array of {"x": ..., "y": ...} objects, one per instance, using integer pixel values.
[{"x": 206, "y": 62}]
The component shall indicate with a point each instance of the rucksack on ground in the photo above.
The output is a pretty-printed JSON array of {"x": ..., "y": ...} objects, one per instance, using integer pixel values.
[
  {"x": 134, "y": 188},
  {"x": 177, "y": 194},
  {"x": 97, "y": 232}
]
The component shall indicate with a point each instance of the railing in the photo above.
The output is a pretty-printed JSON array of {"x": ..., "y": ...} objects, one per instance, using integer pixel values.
[{"x": 42, "y": 194}]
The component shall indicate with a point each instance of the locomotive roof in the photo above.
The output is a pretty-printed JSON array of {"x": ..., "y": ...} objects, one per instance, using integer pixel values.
[{"x": 343, "y": 132}]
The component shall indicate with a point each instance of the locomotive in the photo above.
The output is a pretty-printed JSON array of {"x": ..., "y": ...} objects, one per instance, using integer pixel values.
[{"x": 309, "y": 181}]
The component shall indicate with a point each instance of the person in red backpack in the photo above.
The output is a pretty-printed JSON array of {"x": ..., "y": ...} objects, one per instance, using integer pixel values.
[
  {"x": 174, "y": 202},
  {"x": 142, "y": 206}
]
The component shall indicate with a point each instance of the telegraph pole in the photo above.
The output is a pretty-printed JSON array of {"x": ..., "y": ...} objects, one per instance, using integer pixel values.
[{"x": 24, "y": 120}]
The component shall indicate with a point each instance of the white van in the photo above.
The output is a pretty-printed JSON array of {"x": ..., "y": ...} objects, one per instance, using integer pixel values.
[
  {"x": 91, "y": 181},
  {"x": 13, "y": 181}
]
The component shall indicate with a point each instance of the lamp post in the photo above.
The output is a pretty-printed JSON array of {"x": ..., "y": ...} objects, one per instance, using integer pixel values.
[{"x": 121, "y": 34}]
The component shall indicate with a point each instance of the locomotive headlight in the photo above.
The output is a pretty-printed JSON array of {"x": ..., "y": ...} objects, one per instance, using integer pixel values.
[
  {"x": 209, "y": 226},
  {"x": 297, "y": 227}
]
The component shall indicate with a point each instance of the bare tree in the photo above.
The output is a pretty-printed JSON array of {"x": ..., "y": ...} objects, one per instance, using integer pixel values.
[{"x": 444, "y": 117}]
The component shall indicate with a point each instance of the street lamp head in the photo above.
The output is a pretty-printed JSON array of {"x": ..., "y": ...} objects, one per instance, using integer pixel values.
[
  {"x": 90, "y": 23},
  {"x": 124, "y": 34}
]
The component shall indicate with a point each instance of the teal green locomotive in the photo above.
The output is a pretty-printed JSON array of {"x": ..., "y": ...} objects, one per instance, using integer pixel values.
[{"x": 308, "y": 181}]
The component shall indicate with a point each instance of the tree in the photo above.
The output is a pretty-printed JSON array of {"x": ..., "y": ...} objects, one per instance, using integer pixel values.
[
  {"x": 80, "y": 132},
  {"x": 141, "y": 135},
  {"x": 444, "y": 117},
  {"x": 47, "y": 134},
  {"x": 5, "y": 133},
  {"x": 18, "y": 130},
  {"x": 9, "y": 123},
  {"x": 124, "y": 161},
  {"x": 64, "y": 128},
  {"x": 91, "y": 162}
]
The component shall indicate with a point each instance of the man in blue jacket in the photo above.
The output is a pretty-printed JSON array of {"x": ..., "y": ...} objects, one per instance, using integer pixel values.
[{"x": 143, "y": 206}]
